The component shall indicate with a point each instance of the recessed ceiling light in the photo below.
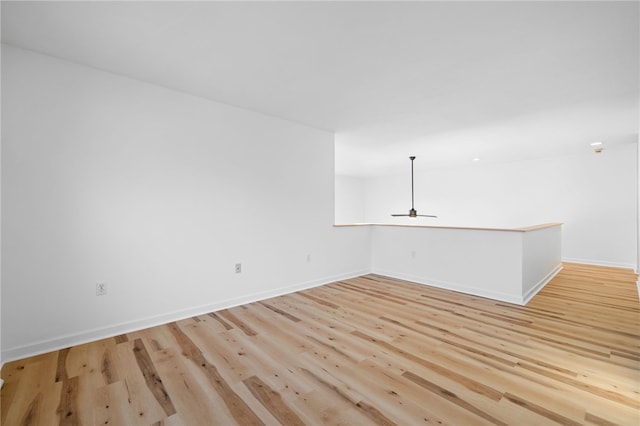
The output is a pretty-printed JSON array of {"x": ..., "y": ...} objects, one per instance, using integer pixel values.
[
  {"x": 475, "y": 160},
  {"x": 597, "y": 147}
]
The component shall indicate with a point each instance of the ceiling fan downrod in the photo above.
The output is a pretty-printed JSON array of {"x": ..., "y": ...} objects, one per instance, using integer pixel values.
[{"x": 412, "y": 213}]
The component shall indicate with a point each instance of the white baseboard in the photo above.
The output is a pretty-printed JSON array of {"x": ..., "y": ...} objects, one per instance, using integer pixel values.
[
  {"x": 474, "y": 291},
  {"x": 61, "y": 342},
  {"x": 540, "y": 284},
  {"x": 600, "y": 263}
]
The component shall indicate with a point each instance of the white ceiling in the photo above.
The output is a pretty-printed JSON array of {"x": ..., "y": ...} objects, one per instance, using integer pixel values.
[{"x": 446, "y": 81}]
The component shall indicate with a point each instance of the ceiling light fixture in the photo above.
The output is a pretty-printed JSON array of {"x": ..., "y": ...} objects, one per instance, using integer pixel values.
[{"x": 597, "y": 147}]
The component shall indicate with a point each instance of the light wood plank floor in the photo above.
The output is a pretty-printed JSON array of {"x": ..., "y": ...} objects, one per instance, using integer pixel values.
[{"x": 370, "y": 350}]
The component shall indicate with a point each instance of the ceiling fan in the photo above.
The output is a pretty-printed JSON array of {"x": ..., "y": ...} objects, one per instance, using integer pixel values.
[{"x": 413, "y": 212}]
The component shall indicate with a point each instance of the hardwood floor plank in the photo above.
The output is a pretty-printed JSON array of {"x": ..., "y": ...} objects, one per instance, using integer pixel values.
[
  {"x": 593, "y": 419},
  {"x": 541, "y": 410},
  {"x": 68, "y": 407},
  {"x": 239, "y": 408},
  {"x": 109, "y": 408},
  {"x": 467, "y": 382},
  {"x": 272, "y": 401},
  {"x": 136, "y": 401},
  {"x": 32, "y": 377},
  {"x": 61, "y": 368},
  {"x": 322, "y": 408},
  {"x": 343, "y": 391},
  {"x": 450, "y": 396},
  {"x": 225, "y": 324},
  {"x": 608, "y": 394},
  {"x": 374, "y": 414},
  {"x": 237, "y": 322},
  {"x": 152, "y": 378},
  {"x": 391, "y": 394},
  {"x": 107, "y": 368},
  {"x": 281, "y": 312},
  {"x": 122, "y": 338},
  {"x": 319, "y": 300},
  {"x": 32, "y": 413},
  {"x": 195, "y": 399}
]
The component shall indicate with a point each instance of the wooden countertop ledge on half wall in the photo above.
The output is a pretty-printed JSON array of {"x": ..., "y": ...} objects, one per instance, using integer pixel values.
[{"x": 521, "y": 229}]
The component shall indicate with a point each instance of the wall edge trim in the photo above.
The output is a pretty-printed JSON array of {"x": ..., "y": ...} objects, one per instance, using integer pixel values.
[
  {"x": 473, "y": 291},
  {"x": 596, "y": 262},
  {"x": 540, "y": 284}
]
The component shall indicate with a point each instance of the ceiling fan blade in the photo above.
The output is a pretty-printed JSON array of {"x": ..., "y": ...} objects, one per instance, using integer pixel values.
[
  {"x": 399, "y": 215},
  {"x": 426, "y": 215}
]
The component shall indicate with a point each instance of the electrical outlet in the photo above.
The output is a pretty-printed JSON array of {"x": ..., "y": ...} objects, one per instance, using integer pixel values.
[
  {"x": 308, "y": 258},
  {"x": 101, "y": 288},
  {"x": 238, "y": 268}
]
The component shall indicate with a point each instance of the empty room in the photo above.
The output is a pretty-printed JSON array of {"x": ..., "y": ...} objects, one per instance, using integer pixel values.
[{"x": 341, "y": 213}]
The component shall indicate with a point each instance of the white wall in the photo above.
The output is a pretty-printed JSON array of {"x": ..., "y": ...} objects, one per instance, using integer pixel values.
[
  {"x": 511, "y": 266},
  {"x": 594, "y": 195},
  {"x": 541, "y": 258},
  {"x": 350, "y": 198},
  {"x": 455, "y": 259},
  {"x": 158, "y": 194}
]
